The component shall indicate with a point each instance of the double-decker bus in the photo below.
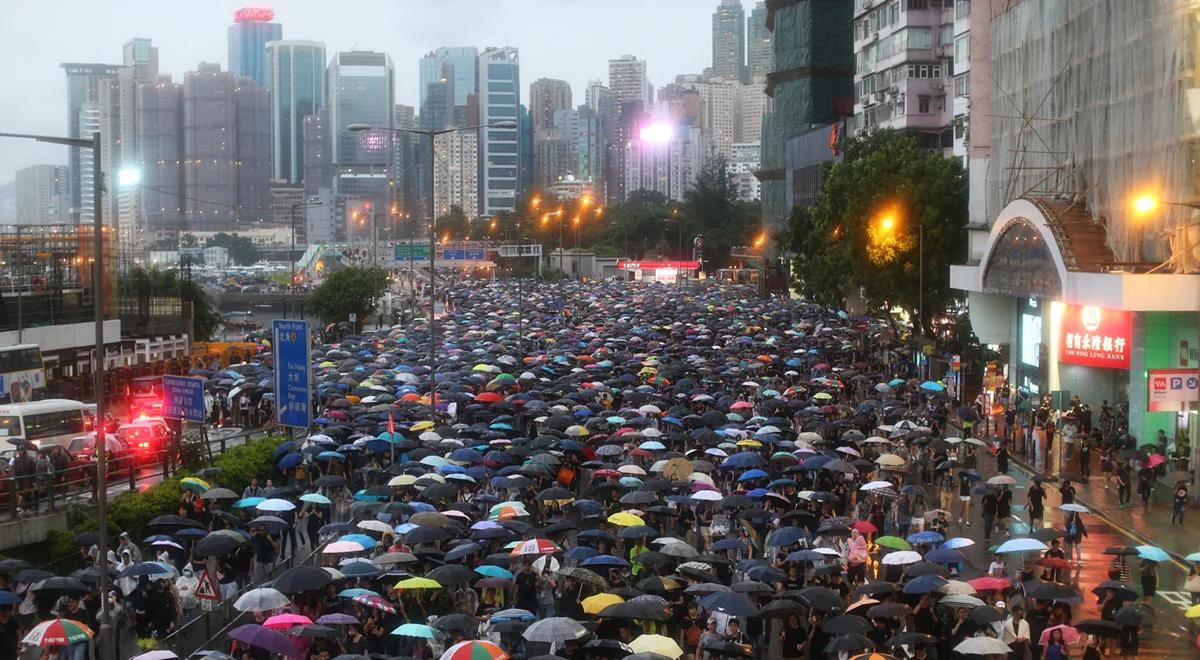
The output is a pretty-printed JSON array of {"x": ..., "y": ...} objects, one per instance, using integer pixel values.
[{"x": 21, "y": 373}]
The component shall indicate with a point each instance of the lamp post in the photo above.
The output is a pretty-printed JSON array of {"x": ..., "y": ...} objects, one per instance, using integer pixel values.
[
  {"x": 105, "y": 632},
  {"x": 432, "y": 135}
]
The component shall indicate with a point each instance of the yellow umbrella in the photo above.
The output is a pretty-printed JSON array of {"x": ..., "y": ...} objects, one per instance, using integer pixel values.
[
  {"x": 625, "y": 519},
  {"x": 594, "y": 604},
  {"x": 656, "y": 644},
  {"x": 748, "y": 442},
  {"x": 1193, "y": 612},
  {"x": 421, "y": 426},
  {"x": 418, "y": 583}
]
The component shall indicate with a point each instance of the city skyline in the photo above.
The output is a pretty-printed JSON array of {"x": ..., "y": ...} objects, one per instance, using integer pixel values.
[{"x": 192, "y": 34}]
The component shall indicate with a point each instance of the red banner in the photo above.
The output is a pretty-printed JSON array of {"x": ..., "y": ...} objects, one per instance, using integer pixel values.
[
  {"x": 655, "y": 265},
  {"x": 1095, "y": 337}
]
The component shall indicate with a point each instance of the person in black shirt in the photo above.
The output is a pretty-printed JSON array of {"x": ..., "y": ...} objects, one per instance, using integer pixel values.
[
  {"x": 1124, "y": 480},
  {"x": 818, "y": 639},
  {"x": 527, "y": 588},
  {"x": 1037, "y": 510},
  {"x": 987, "y": 510},
  {"x": 264, "y": 551},
  {"x": 792, "y": 638},
  {"x": 8, "y": 632},
  {"x": 1145, "y": 484}
]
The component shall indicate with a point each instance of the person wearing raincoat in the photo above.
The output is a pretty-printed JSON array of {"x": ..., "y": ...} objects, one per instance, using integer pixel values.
[{"x": 186, "y": 585}]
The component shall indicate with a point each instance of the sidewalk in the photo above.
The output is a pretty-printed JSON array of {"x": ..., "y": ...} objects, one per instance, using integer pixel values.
[{"x": 1151, "y": 525}]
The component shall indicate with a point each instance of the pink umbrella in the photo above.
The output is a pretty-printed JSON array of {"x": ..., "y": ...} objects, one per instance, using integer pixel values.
[
  {"x": 989, "y": 583},
  {"x": 741, "y": 405},
  {"x": 286, "y": 621},
  {"x": 1070, "y": 635},
  {"x": 339, "y": 547},
  {"x": 1156, "y": 460}
]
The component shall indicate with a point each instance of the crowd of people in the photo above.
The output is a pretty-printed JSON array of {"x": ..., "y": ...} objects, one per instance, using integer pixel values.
[{"x": 624, "y": 470}]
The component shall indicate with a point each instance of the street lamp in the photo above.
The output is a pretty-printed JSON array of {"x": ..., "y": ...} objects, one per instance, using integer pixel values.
[
  {"x": 659, "y": 134},
  {"x": 887, "y": 225},
  {"x": 432, "y": 135},
  {"x": 105, "y": 632}
]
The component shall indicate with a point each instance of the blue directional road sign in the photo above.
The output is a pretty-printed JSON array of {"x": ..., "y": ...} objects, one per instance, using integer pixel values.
[
  {"x": 293, "y": 382},
  {"x": 183, "y": 398}
]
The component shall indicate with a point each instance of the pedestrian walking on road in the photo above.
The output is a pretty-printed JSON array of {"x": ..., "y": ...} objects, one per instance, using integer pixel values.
[
  {"x": 1149, "y": 580},
  {"x": 1076, "y": 532},
  {"x": 1124, "y": 479},
  {"x": 1036, "y": 500},
  {"x": 1145, "y": 483},
  {"x": 1179, "y": 503}
]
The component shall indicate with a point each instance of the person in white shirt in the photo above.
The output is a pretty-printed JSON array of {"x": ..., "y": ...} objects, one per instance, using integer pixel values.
[
  {"x": 997, "y": 568},
  {"x": 1015, "y": 632}
]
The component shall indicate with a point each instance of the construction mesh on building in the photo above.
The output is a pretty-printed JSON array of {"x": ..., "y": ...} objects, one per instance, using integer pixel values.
[{"x": 1089, "y": 101}]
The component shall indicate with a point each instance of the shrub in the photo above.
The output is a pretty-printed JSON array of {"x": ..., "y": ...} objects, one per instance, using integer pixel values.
[{"x": 240, "y": 464}]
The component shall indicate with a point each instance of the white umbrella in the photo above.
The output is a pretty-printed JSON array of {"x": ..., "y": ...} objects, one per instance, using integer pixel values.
[
  {"x": 1021, "y": 545},
  {"x": 962, "y": 600},
  {"x": 275, "y": 505},
  {"x": 707, "y": 496},
  {"x": 876, "y": 485},
  {"x": 982, "y": 646},
  {"x": 155, "y": 655},
  {"x": 540, "y": 564},
  {"x": 375, "y": 526},
  {"x": 1076, "y": 508},
  {"x": 555, "y": 629},
  {"x": 261, "y": 600},
  {"x": 1002, "y": 480},
  {"x": 901, "y": 558},
  {"x": 975, "y": 441},
  {"x": 957, "y": 588}
]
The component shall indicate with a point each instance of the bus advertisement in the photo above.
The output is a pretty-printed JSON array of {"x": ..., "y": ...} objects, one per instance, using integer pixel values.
[{"x": 21, "y": 373}]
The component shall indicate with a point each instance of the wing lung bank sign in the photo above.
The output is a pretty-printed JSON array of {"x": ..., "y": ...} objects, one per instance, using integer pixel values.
[{"x": 1095, "y": 337}]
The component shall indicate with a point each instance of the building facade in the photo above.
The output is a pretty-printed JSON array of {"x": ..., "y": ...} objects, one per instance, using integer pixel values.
[
  {"x": 456, "y": 173},
  {"x": 296, "y": 75},
  {"x": 760, "y": 55},
  {"x": 500, "y": 152},
  {"x": 252, "y": 29},
  {"x": 463, "y": 62},
  {"x": 546, "y": 97},
  {"x": 741, "y": 168},
  {"x": 43, "y": 195},
  {"x": 83, "y": 83},
  {"x": 729, "y": 40},
  {"x": 361, "y": 90},
  {"x": 159, "y": 130}
]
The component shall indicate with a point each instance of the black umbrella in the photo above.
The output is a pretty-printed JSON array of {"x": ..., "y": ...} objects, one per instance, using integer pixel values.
[
  {"x": 1098, "y": 627},
  {"x": 822, "y": 599},
  {"x": 452, "y": 575},
  {"x": 851, "y": 642},
  {"x": 606, "y": 648},
  {"x": 173, "y": 523},
  {"x": 1129, "y": 616},
  {"x": 633, "y": 610},
  {"x": 1053, "y": 591},
  {"x": 728, "y": 649},
  {"x": 846, "y": 624},
  {"x": 216, "y": 545},
  {"x": 779, "y": 609},
  {"x": 424, "y": 534},
  {"x": 302, "y": 578},
  {"x": 888, "y": 611},
  {"x": 460, "y": 622},
  {"x": 984, "y": 615},
  {"x": 56, "y": 587},
  {"x": 910, "y": 639},
  {"x": 729, "y": 603}
]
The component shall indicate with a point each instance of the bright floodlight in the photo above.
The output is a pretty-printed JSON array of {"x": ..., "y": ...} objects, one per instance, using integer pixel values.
[
  {"x": 658, "y": 133},
  {"x": 129, "y": 176}
]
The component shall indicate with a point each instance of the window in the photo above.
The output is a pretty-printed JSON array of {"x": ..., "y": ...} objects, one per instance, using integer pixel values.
[
  {"x": 946, "y": 35},
  {"x": 501, "y": 71},
  {"x": 920, "y": 37},
  {"x": 503, "y": 111},
  {"x": 962, "y": 49},
  {"x": 962, "y": 9},
  {"x": 923, "y": 71},
  {"x": 962, "y": 84},
  {"x": 50, "y": 424},
  {"x": 923, "y": 105},
  {"x": 502, "y": 148},
  {"x": 502, "y": 172},
  {"x": 935, "y": 71},
  {"x": 918, "y": 5},
  {"x": 502, "y": 99}
]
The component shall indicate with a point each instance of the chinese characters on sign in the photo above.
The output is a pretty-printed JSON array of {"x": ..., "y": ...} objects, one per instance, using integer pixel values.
[
  {"x": 1095, "y": 337},
  {"x": 183, "y": 398},
  {"x": 1172, "y": 389},
  {"x": 293, "y": 383}
]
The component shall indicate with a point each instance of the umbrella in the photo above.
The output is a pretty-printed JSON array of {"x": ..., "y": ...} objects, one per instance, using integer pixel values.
[
  {"x": 155, "y": 655},
  {"x": 1098, "y": 627},
  {"x": 261, "y": 600},
  {"x": 729, "y": 649},
  {"x": 554, "y": 630},
  {"x": 662, "y": 645},
  {"x": 1020, "y": 545},
  {"x": 1070, "y": 634},
  {"x": 263, "y": 638},
  {"x": 474, "y": 649},
  {"x": 415, "y": 630},
  {"x": 982, "y": 646},
  {"x": 850, "y": 642},
  {"x": 301, "y": 578},
  {"x": 1152, "y": 553},
  {"x": 594, "y": 604},
  {"x": 729, "y": 603},
  {"x": 57, "y": 632}
]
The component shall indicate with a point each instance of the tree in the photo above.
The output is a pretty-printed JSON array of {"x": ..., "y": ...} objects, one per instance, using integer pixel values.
[
  {"x": 453, "y": 225},
  {"x": 242, "y": 250},
  {"x": 144, "y": 284},
  {"x": 864, "y": 231},
  {"x": 349, "y": 291},
  {"x": 712, "y": 209}
]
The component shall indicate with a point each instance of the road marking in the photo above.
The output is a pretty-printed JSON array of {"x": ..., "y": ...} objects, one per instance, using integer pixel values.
[{"x": 1181, "y": 599}]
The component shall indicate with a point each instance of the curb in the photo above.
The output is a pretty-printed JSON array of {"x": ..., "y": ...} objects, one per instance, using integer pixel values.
[{"x": 1177, "y": 558}]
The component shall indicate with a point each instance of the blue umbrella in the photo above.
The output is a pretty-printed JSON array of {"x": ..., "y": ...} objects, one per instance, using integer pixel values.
[
  {"x": 944, "y": 556},
  {"x": 362, "y": 539},
  {"x": 249, "y": 502},
  {"x": 785, "y": 536},
  {"x": 605, "y": 560},
  {"x": 728, "y": 544},
  {"x": 926, "y": 537},
  {"x": 924, "y": 584},
  {"x": 931, "y": 386},
  {"x": 290, "y": 461},
  {"x": 743, "y": 460},
  {"x": 806, "y": 555},
  {"x": 9, "y": 598},
  {"x": 316, "y": 498},
  {"x": 331, "y": 456},
  {"x": 753, "y": 474},
  {"x": 1152, "y": 553},
  {"x": 494, "y": 571}
]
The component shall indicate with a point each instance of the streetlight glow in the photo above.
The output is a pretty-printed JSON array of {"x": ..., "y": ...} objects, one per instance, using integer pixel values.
[
  {"x": 657, "y": 133},
  {"x": 888, "y": 222},
  {"x": 129, "y": 176},
  {"x": 1145, "y": 204}
]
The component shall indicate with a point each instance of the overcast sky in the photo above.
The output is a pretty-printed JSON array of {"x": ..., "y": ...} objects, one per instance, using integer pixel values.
[{"x": 568, "y": 39}]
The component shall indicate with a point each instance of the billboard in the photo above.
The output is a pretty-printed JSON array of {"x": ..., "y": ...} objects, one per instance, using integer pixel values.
[
  {"x": 1172, "y": 389},
  {"x": 1095, "y": 337}
]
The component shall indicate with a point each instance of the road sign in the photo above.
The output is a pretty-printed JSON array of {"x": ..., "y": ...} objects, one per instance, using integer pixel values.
[
  {"x": 183, "y": 398},
  {"x": 469, "y": 254},
  {"x": 206, "y": 589},
  {"x": 293, "y": 382},
  {"x": 410, "y": 251},
  {"x": 531, "y": 250}
]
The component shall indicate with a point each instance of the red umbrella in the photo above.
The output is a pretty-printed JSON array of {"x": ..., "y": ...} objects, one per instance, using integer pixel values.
[
  {"x": 488, "y": 397},
  {"x": 1053, "y": 562},
  {"x": 990, "y": 583},
  {"x": 864, "y": 527}
]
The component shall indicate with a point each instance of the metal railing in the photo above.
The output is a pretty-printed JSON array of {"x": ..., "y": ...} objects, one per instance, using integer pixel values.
[{"x": 45, "y": 492}]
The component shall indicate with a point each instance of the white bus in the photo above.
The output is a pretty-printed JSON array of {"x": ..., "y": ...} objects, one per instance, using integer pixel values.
[
  {"x": 43, "y": 423},
  {"x": 21, "y": 373}
]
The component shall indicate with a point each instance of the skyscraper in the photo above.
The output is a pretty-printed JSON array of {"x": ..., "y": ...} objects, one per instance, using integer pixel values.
[
  {"x": 89, "y": 124},
  {"x": 43, "y": 195},
  {"x": 159, "y": 128},
  {"x": 729, "y": 40},
  {"x": 761, "y": 54},
  {"x": 598, "y": 100},
  {"x": 464, "y": 59},
  {"x": 83, "y": 82},
  {"x": 118, "y": 132},
  {"x": 316, "y": 166},
  {"x": 456, "y": 173},
  {"x": 248, "y": 36},
  {"x": 546, "y": 97},
  {"x": 226, "y": 143},
  {"x": 631, "y": 95},
  {"x": 718, "y": 97},
  {"x": 296, "y": 75},
  {"x": 627, "y": 80},
  {"x": 361, "y": 91},
  {"x": 500, "y": 148}
]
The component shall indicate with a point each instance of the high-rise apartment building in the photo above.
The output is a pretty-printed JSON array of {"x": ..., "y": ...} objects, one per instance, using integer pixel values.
[
  {"x": 760, "y": 53},
  {"x": 89, "y": 124},
  {"x": 961, "y": 105},
  {"x": 248, "y": 36},
  {"x": 317, "y": 168},
  {"x": 718, "y": 102},
  {"x": 752, "y": 104},
  {"x": 83, "y": 83},
  {"x": 159, "y": 129},
  {"x": 903, "y": 64},
  {"x": 631, "y": 94},
  {"x": 456, "y": 173},
  {"x": 741, "y": 168},
  {"x": 729, "y": 40},
  {"x": 406, "y": 196},
  {"x": 598, "y": 100},
  {"x": 226, "y": 144},
  {"x": 361, "y": 91},
  {"x": 296, "y": 75},
  {"x": 627, "y": 81},
  {"x": 43, "y": 195},
  {"x": 666, "y": 168},
  {"x": 500, "y": 148},
  {"x": 546, "y": 97}
]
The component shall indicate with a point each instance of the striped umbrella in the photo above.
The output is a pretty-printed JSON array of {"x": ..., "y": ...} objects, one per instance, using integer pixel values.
[
  {"x": 376, "y": 602},
  {"x": 535, "y": 547},
  {"x": 474, "y": 649},
  {"x": 57, "y": 632}
]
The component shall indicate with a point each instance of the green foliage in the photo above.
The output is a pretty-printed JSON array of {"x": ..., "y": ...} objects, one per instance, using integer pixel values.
[
  {"x": 242, "y": 250},
  {"x": 454, "y": 225},
  {"x": 131, "y": 510},
  {"x": 242, "y": 463},
  {"x": 843, "y": 244},
  {"x": 713, "y": 210},
  {"x": 349, "y": 291},
  {"x": 144, "y": 284}
]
